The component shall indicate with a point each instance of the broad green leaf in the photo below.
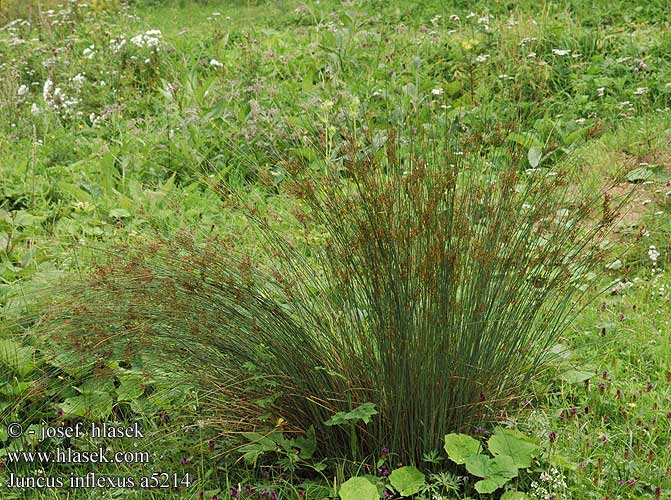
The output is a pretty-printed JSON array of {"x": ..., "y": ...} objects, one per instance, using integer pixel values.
[
  {"x": 489, "y": 485},
  {"x": 520, "y": 450},
  {"x": 503, "y": 466},
  {"x": 73, "y": 363},
  {"x": 358, "y": 488},
  {"x": 94, "y": 405},
  {"x": 640, "y": 174},
  {"x": 479, "y": 465},
  {"x": 24, "y": 219},
  {"x": 576, "y": 376},
  {"x": 131, "y": 387},
  {"x": 526, "y": 139},
  {"x": 514, "y": 495},
  {"x": 119, "y": 213},
  {"x": 461, "y": 446},
  {"x": 407, "y": 480},
  {"x": 306, "y": 444},
  {"x": 96, "y": 384},
  {"x": 576, "y": 135},
  {"x": 15, "y": 388},
  {"x": 562, "y": 351},
  {"x": 363, "y": 412},
  {"x": 496, "y": 472},
  {"x": 260, "y": 444},
  {"x": 534, "y": 156},
  {"x": 563, "y": 462},
  {"x": 16, "y": 357}
]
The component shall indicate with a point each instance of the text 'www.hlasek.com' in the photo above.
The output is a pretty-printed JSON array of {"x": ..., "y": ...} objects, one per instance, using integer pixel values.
[{"x": 28, "y": 467}]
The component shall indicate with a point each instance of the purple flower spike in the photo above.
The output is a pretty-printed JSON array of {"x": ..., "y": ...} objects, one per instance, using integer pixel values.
[{"x": 552, "y": 436}]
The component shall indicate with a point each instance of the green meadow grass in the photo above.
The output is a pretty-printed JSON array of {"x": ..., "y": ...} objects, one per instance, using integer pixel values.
[{"x": 146, "y": 141}]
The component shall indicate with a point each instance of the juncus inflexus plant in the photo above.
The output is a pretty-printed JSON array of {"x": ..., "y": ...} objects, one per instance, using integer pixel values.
[{"x": 440, "y": 280}]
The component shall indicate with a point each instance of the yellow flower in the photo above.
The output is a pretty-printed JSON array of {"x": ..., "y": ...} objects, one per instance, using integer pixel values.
[{"x": 469, "y": 43}]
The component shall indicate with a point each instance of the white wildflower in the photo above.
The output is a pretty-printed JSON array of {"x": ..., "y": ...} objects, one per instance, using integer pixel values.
[
  {"x": 138, "y": 40},
  {"x": 600, "y": 91},
  {"x": 150, "y": 39},
  {"x": 454, "y": 18},
  {"x": 482, "y": 57},
  {"x": 89, "y": 51},
  {"x": 216, "y": 64},
  {"x": 46, "y": 90},
  {"x": 23, "y": 90},
  {"x": 118, "y": 43},
  {"x": 615, "y": 265},
  {"x": 35, "y": 110},
  {"x": 78, "y": 80},
  {"x": 527, "y": 39},
  {"x": 653, "y": 254},
  {"x": 561, "y": 52},
  {"x": 437, "y": 91},
  {"x": 641, "y": 90}
]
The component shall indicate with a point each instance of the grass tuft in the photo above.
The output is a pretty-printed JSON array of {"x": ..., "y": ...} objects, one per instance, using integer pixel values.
[{"x": 436, "y": 282}]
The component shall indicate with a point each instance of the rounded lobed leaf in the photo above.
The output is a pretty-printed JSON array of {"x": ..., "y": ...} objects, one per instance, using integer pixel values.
[
  {"x": 521, "y": 450},
  {"x": 358, "y": 488},
  {"x": 460, "y": 447},
  {"x": 407, "y": 480}
]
